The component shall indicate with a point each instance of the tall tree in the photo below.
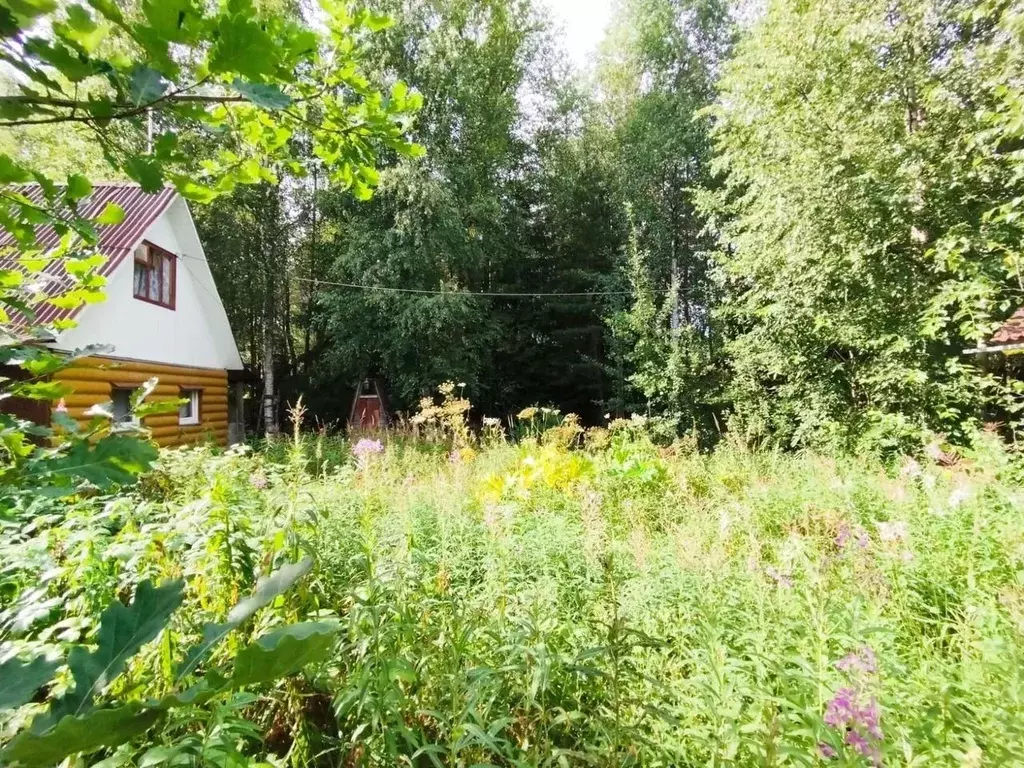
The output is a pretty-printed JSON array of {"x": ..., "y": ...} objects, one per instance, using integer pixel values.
[
  {"x": 657, "y": 74},
  {"x": 449, "y": 222},
  {"x": 848, "y": 133}
]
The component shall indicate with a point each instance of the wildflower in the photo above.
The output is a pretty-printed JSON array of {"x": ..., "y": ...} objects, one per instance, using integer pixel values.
[
  {"x": 61, "y": 406},
  {"x": 491, "y": 421},
  {"x": 959, "y": 495},
  {"x": 366, "y": 447},
  {"x": 861, "y": 661},
  {"x": 857, "y": 534},
  {"x": 826, "y": 751},
  {"x": 893, "y": 532},
  {"x": 527, "y": 413},
  {"x": 861, "y": 724},
  {"x": 841, "y": 708},
  {"x": 258, "y": 480}
]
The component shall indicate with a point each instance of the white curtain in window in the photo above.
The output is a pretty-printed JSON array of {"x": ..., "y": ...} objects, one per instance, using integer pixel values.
[
  {"x": 140, "y": 279},
  {"x": 167, "y": 281}
]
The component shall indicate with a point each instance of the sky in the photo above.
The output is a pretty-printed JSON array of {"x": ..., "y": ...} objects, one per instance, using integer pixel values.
[{"x": 583, "y": 23}]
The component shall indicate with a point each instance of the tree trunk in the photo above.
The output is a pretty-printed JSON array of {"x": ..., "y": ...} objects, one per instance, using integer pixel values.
[{"x": 269, "y": 394}]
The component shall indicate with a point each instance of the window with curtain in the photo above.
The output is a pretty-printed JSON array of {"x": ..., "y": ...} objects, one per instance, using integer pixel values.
[{"x": 155, "y": 273}]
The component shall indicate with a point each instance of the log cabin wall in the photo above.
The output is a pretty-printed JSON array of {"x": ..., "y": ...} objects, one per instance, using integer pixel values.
[{"x": 93, "y": 380}]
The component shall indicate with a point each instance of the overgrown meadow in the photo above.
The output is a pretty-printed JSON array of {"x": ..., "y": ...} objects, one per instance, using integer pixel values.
[{"x": 567, "y": 598}]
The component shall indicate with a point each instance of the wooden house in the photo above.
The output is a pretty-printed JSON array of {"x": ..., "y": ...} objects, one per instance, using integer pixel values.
[{"x": 162, "y": 317}]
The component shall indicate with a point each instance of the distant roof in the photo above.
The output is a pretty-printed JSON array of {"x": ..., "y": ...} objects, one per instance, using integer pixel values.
[
  {"x": 115, "y": 241},
  {"x": 1011, "y": 332}
]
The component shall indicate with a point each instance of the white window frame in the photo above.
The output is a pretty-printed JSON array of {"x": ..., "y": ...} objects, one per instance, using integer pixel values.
[{"x": 194, "y": 396}]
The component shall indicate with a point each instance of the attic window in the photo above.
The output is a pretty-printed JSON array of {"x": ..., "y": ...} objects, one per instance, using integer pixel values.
[{"x": 155, "y": 273}]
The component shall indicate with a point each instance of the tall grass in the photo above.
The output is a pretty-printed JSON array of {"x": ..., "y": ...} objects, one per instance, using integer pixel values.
[{"x": 563, "y": 601}]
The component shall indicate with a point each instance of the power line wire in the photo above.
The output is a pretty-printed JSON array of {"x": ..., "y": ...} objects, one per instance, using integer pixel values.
[
  {"x": 495, "y": 294},
  {"x": 426, "y": 291}
]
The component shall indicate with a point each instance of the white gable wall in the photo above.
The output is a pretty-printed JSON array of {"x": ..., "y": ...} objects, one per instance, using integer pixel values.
[{"x": 195, "y": 333}]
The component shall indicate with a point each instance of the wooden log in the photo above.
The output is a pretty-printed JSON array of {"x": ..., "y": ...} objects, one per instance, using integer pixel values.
[
  {"x": 177, "y": 441},
  {"x": 84, "y": 401},
  {"x": 103, "y": 389},
  {"x": 143, "y": 365},
  {"x": 132, "y": 378},
  {"x": 194, "y": 429}
]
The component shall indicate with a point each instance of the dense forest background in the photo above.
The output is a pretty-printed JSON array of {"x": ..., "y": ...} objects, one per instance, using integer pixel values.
[{"x": 787, "y": 220}]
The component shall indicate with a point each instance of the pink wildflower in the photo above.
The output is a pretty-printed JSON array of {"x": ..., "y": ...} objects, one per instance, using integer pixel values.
[
  {"x": 861, "y": 724},
  {"x": 856, "y": 534},
  {"x": 258, "y": 481},
  {"x": 61, "y": 406},
  {"x": 367, "y": 447},
  {"x": 861, "y": 661},
  {"x": 825, "y": 750}
]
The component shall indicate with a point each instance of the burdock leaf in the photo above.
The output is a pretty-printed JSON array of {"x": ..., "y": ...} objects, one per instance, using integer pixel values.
[
  {"x": 74, "y": 734},
  {"x": 283, "y": 652},
  {"x": 20, "y": 680},
  {"x": 266, "y": 590},
  {"x": 123, "y": 630}
]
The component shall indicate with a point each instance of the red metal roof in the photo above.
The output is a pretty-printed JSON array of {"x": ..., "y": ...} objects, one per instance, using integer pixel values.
[
  {"x": 115, "y": 241},
  {"x": 1012, "y": 331}
]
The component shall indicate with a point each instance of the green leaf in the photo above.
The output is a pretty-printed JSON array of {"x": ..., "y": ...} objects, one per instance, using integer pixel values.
[
  {"x": 145, "y": 171},
  {"x": 242, "y": 47},
  {"x": 265, "y": 96},
  {"x": 267, "y": 589},
  {"x": 147, "y": 85},
  {"x": 123, "y": 630},
  {"x": 111, "y": 215},
  {"x": 82, "y": 29},
  {"x": 30, "y": 9},
  {"x": 192, "y": 190},
  {"x": 178, "y": 21},
  {"x": 376, "y": 22},
  {"x": 20, "y": 680},
  {"x": 78, "y": 187},
  {"x": 11, "y": 172},
  {"x": 113, "y": 460},
  {"x": 283, "y": 652},
  {"x": 79, "y": 734}
]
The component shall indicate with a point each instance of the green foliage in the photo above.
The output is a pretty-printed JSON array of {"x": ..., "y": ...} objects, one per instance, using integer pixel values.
[
  {"x": 672, "y": 368},
  {"x": 22, "y": 679},
  {"x": 122, "y": 632},
  {"x": 578, "y": 597},
  {"x": 864, "y": 253}
]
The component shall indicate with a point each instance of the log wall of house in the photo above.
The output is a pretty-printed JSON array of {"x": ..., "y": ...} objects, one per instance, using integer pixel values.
[{"x": 93, "y": 379}]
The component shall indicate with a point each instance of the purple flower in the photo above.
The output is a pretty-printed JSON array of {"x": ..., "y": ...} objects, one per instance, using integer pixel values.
[
  {"x": 258, "y": 481},
  {"x": 861, "y": 724},
  {"x": 825, "y": 750},
  {"x": 367, "y": 447},
  {"x": 841, "y": 709},
  {"x": 864, "y": 747},
  {"x": 857, "y": 534},
  {"x": 870, "y": 719},
  {"x": 861, "y": 661}
]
